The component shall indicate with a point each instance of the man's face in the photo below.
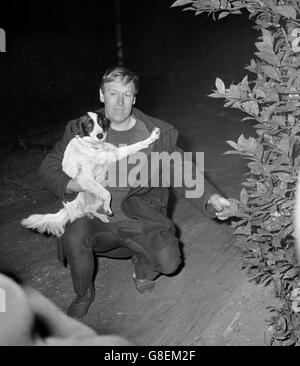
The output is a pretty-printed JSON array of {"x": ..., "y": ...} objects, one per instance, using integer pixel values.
[{"x": 118, "y": 99}]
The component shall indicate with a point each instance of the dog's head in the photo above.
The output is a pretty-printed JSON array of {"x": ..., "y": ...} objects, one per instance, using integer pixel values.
[{"x": 94, "y": 125}]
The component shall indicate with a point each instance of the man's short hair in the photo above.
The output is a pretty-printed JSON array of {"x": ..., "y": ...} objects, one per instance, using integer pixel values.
[{"x": 120, "y": 73}]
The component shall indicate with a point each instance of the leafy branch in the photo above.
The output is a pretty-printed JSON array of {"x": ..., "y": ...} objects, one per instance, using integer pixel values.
[{"x": 264, "y": 226}]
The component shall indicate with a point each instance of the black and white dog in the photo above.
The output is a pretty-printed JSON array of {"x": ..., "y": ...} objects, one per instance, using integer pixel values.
[{"x": 86, "y": 160}]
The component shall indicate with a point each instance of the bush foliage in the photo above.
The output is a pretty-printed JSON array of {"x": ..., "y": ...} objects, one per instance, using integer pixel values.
[{"x": 272, "y": 99}]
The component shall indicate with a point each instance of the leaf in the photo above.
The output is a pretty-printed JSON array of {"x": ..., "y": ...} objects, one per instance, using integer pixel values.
[
  {"x": 231, "y": 152},
  {"x": 242, "y": 231},
  {"x": 286, "y": 11},
  {"x": 271, "y": 72},
  {"x": 295, "y": 294},
  {"x": 244, "y": 196},
  {"x": 288, "y": 230},
  {"x": 289, "y": 342},
  {"x": 233, "y": 144},
  {"x": 227, "y": 104},
  {"x": 296, "y": 306},
  {"x": 223, "y": 14},
  {"x": 267, "y": 38},
  {"x": 259, "y": 151},
  {"x": 181, "y": 3},
  {"x": 216, "y": 95},
  {"x": 256, "y": 168},
  {"x": 251, "y": 107},
  {"x": 220, "y": 86},
  {"x": 248, "y": 145},
  {"x": 234, "y": 91},
  {"x": 291, "y": 273},
  {"x": 188, "y": 8},
  {"x": 259, "y": 93},
  {"x": 284, "y": 144},
  {"x": 224, "y": 4},
  {"x": 285, "y": 177},
  {"x": 269, "y": 57}
]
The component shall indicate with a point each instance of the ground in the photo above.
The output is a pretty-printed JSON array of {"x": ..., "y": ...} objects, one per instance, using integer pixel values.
[{"x": 210, "y": 301}]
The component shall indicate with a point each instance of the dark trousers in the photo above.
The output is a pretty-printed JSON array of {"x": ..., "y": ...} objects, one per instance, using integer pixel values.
[{"x": 86, "y": 237}]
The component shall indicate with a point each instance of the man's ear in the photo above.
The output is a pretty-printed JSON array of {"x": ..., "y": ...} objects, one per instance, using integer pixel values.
[
  {"x": 134, "y": 99},
  {"x": 101, "y": 96}
]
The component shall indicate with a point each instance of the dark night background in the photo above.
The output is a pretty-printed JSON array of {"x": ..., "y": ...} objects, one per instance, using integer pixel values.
[{"x": 58, "y": 50}]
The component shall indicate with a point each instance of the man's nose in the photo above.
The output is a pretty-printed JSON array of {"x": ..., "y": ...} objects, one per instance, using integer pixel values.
[{"x": 120, "y": 100}]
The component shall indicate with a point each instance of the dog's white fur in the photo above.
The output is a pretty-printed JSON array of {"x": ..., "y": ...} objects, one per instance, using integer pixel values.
[{"x": 86, "y": 160}]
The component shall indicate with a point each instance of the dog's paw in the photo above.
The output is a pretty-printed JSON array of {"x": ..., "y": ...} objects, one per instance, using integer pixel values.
[
  {"x": 155, "y": 134},
  {"x": 101, "y": 217}
]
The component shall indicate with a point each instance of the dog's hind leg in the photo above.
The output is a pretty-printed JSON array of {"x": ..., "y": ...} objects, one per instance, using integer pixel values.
[
  {"x": 97, "y": 189},
  {"x": 102, "y": 217}
]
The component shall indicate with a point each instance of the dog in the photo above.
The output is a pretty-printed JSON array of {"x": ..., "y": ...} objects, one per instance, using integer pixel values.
[{"x": 86, "y": 159}]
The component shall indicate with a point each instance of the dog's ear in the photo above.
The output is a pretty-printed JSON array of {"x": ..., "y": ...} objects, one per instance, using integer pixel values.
[
  {"x": 78, "y": 126},
  {"x": 103, "y": 121}
]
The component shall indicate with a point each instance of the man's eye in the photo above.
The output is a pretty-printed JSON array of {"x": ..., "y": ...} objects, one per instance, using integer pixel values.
[
  {"x": 112, "y": 94},
  {"x": 128, "y": 95}
]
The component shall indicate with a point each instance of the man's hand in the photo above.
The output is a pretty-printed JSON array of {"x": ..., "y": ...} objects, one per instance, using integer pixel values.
[
  {"x": 73, "y": 186},
  {"x": 222, "y": 205}
]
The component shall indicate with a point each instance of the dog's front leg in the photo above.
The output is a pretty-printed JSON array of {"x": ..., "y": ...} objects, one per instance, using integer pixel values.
[{"x": 125, "y": 151}]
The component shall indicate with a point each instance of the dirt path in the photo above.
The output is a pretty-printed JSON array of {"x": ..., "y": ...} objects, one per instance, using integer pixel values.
[{"x": 210, "y": 302}]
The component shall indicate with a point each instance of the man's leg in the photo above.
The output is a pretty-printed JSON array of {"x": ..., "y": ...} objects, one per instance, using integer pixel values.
[
  {"x": 165, "y": 260},
  {"x": 78, "y": 242},
  {"x": 153, "y": 254}
]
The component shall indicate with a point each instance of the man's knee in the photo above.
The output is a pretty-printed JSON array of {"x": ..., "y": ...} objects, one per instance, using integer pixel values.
[
  {"x": 168, "y": 260},
  {"x": 76, "y": 236},
  {"x": 171, "y": 266}
]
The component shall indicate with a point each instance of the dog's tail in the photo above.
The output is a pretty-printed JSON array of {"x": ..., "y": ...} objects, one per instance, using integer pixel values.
[{"x": 50, "y": 223}]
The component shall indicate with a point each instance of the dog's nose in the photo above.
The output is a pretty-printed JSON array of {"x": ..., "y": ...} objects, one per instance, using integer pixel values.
[{"x": 100, "y": 136}]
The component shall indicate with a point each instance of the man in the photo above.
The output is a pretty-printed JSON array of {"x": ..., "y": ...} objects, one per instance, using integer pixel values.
[{"x": 140, "y": 228}]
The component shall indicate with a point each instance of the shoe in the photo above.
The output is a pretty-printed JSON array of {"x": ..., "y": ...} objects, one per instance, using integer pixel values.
[
  {"x": 143, "y": 286},
  {"x": 80, "y": 304}
]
